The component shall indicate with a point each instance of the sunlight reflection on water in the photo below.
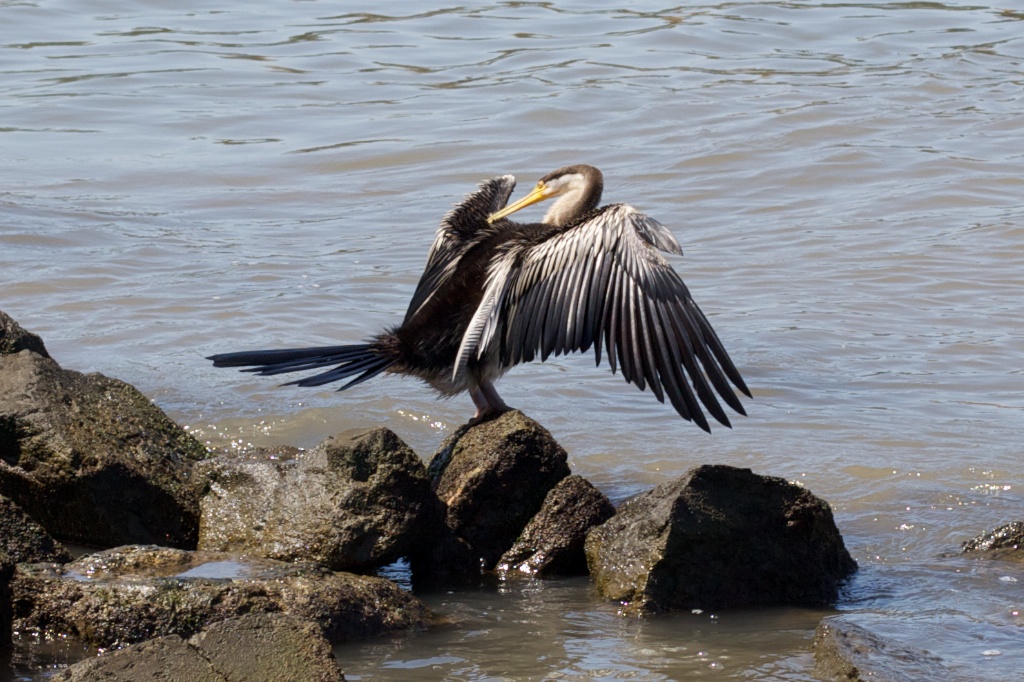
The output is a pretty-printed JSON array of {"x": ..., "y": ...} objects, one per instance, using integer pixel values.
[{"x": 845, "y": 181}]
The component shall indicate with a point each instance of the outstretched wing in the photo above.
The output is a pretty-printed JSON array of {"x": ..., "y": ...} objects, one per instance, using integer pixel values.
[
  {"x": 455, "y": 236},
  {"x": 603, "y": 281}
]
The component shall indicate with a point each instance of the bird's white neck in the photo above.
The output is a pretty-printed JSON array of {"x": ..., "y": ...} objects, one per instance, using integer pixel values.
[{"x": 569, "y": 189}]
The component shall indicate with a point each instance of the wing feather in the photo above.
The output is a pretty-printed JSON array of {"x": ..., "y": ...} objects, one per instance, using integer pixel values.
[
  {"x": 456, "y": 236},
  {"x": 536, "y": 312},
  {"x": 691, "y": 350},
  {"x": 627, "y": 333},
  {"x": 676, "y": 386},
  {"x": 598, "y": 292},
  {"x": 611, "y": 316},
  {"x": 570, "y": 340},
  {"x": 601, "y": 282}
]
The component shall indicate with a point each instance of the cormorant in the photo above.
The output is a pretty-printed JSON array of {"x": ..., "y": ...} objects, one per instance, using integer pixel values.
[{"x": 495, "y": 293}]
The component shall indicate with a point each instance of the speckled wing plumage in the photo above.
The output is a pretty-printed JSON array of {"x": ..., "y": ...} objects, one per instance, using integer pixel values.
[
  {"x": 603, "y": 281},
  {"x": 459, "y": 231}
]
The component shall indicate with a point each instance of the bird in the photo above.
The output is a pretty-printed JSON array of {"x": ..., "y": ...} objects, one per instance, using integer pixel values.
[{"x": 495, "y": 293}]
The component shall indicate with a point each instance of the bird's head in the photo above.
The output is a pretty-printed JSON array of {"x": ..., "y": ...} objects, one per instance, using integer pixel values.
[{"x": 579, "y": 190}]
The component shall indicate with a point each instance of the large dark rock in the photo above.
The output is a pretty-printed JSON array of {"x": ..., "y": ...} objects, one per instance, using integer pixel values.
[
  {"x": 131, "y": 594},
  {"x": 447, "y": 562},
  {"x": 92, "y": 459},
  {"x": 6, "y": 571},
  {"x": 493, "y": 477},
  {"x": 355, "y": 502},
  {"x": 14, "y": 339},
  {"x": 1005, "y": 542},
  {"x": 261, "y": 647},
  {"x": 25, "y": 540},
  {"x": 552, "y": 542},
  {"x": 847, "y": 652},
  {"x": 719, "y": 537}
]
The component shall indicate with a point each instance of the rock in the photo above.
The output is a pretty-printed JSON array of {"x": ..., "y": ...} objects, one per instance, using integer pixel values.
[
  {"x": 260, "y": 647},
  {"x": 25, "y": 540},
  {"x": 130, "y": 594},
  {"x": 493, "y": 477},
  {"x": 269, "y": 646},
  {"x": 355, "y": 502},
  {"x": 14, "y": 339},
  {"x": 92, "y": 459},
  {"x": 163, "y": 658},
  {"x": 6, "y": 571},
  {"x": 445, "y": 561},
  {"x": 848, "y": 652},
  {"x": 1004, "y": 543},
  {"x": 552, "y": 542},
  {"x": 719, "y": 537}
]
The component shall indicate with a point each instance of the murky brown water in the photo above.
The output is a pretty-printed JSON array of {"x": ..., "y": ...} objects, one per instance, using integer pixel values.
[{"x": 846, "y": 181}]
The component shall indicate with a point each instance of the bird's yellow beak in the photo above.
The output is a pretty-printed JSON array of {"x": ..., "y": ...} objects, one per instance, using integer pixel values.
[{"x": 539, "y": 193}]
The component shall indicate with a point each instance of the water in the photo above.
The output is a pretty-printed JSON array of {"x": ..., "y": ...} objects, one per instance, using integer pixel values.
[{"x": 845, "y": 179}]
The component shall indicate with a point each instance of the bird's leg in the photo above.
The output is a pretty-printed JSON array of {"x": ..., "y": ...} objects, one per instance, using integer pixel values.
[
  {"x": 493, "y": 399},
  {"x": 481, "y": 403},
  {"x": 488, "y": 402}
]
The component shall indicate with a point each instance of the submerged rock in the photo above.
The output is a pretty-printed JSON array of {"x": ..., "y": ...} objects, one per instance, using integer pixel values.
[
  {"x": 1005, "y": 542},
  {"x": 25, "y": 540},
  {"x": 92, "y": 459},
  {"x": 355, "y": 502},
  {"x": 851, "y": 653},
  {"x": 492, "y": 479},
  {"x": 719, "y": 537},
  {"x": 552, "y": 542},
  {"x": 260, "y": 647},
  {"x": 134, "y": 593}
]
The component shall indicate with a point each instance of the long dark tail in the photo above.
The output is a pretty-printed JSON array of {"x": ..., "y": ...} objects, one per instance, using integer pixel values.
[{"x": 365, "y": 360}]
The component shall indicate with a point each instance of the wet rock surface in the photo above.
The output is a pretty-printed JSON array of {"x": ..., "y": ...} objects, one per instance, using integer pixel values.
[
  {"x": 552, "y": 542},
  {"x": 89, "y": 459},
  {"x": 493, "y": 477},
  {"x": 849, "y": 652},
  {"x": 25, "y": 540},
  {"x": 134, "y": 593},
  {"x": 443, "y": 559},
  {"x": 264, "y": 647},
  {"x": 355, "y": 502},
  {"x": 92, "y": 459},
  {"x": 14, "y": 339},
  {"x": 1005, "y": 543},
  {"x": 719, "y": 537}
]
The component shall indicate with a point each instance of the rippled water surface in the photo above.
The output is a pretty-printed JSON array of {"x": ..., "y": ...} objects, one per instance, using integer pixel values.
[{"x": 846, "y": 179}]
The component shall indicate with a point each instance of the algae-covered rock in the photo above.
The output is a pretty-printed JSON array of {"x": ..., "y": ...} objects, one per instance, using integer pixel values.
[
  {"x": 493, "y": 477},
  {"x": 25, "y": 540},
  {"x": 1005, "y": 542},
  {"x": 259, "y": 647},
  {"x": 162, "y": 658},
  {"x": 268, "y": 647},
  {"x": 552, "y": 542},
  {"x": 719, "y": 537},
  {"x": 134, "y": 593},
  {"x": 355, "y": 502},
  {"x": 14, "y": 339},
  {"x": 92, "y": 459},
  {"x": 849, "y": 652}
]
